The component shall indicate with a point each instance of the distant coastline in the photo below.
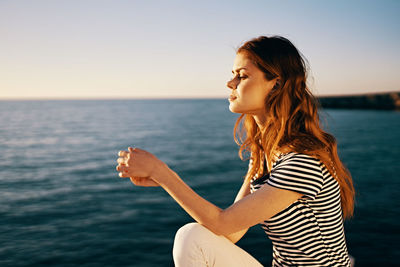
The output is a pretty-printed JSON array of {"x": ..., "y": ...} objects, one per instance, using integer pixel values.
[
  {"x": 378, "y": 101},
  {"x": 386, "y": 101}
]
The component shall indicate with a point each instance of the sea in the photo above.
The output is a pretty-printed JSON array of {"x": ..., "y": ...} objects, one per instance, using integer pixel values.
[{"x": 62, "y": 202}]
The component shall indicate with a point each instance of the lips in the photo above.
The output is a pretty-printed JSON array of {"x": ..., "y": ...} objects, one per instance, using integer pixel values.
[{"x": 232, "y": 97}]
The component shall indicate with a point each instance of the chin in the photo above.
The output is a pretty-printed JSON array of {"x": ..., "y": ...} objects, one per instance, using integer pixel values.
[{"x": 233, "y": 108}]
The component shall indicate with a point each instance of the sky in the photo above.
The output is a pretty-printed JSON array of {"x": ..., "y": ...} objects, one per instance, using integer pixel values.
[{"x": 120, "y": 49}]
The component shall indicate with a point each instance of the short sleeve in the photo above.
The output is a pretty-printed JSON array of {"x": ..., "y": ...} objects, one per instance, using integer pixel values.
[{"x": 300, "y": 173}]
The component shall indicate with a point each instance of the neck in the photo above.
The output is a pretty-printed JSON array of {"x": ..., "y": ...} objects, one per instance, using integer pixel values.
[{"x": 260, "y": 120}]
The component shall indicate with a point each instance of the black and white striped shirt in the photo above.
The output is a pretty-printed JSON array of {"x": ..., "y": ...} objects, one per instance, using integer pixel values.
[{"x": 309, "y": 232}]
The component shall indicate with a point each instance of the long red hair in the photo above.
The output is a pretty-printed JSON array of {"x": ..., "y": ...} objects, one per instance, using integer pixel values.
[{"x": 292, "y": 123}]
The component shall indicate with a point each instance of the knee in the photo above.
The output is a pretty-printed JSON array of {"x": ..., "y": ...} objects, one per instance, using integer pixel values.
[
  {"x": 188, "y": 232},
  {"x": 187, "y": 236}
]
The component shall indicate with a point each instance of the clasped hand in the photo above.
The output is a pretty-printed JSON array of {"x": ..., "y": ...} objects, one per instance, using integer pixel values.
[{"x": 138, "y": 165}]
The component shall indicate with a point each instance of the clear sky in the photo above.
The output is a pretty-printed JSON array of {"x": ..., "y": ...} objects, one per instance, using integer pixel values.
[{"x": 134, "y": 49}]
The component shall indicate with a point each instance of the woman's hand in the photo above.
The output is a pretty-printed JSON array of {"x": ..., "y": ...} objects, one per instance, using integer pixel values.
[
  {"x": 143, "y": 181},
  {"x": 139, "y": 165}
]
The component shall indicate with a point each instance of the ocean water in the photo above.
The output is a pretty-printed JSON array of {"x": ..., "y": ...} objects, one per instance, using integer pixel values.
[{"x": 63, "y": 204}]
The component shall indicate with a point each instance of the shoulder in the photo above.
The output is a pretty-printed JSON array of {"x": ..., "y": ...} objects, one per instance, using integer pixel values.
[
  {"x": 297, "y": 159},
  {"x": 298, "y": 172}
]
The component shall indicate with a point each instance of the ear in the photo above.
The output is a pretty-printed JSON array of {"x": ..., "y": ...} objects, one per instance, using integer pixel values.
[{"x": 277, "y": 84}]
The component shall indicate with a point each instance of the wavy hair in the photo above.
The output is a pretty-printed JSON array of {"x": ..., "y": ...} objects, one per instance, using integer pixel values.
[{"x": 292, "y": 123}]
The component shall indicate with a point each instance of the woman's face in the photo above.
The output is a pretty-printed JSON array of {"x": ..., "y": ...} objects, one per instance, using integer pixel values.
[{"x": 249, "y": 86}]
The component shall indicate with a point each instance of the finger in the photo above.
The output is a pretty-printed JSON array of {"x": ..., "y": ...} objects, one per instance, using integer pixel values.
[
  {"x": 123, "y": 174},
  {"x": 121, "y": 161},
  {"x": 123, "y": 153},
  {"x": 130, "y": 154},
  {"x": 122, "y": 168},
  {"x": 119, "y": 168}
]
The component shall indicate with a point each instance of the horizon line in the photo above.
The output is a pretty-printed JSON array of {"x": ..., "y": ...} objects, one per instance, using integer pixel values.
[{"x": 171, "y": 97}]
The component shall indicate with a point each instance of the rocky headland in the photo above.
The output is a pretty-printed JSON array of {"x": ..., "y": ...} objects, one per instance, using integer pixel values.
[{"x": 388, "y": 101}]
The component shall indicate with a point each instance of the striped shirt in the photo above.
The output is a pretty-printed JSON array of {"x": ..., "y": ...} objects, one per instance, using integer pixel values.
[{"x": 309, "y": 232}]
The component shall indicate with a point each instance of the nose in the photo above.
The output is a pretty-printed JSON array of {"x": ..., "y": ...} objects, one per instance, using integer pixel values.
[{"x": 231, "y": 84}]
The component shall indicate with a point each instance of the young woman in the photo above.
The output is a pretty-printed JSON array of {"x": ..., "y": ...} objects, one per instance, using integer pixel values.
[{"x": 296, "y": 186}]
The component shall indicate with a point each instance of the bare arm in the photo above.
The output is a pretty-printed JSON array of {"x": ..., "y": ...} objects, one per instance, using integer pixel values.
[
  {"x": 145, "y": 169},
  {"x": 244, "y": 191},
  {"x": 242, "y": 214}
]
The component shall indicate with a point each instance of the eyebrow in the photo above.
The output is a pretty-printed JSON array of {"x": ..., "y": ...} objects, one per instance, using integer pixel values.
[{"x": 237, "y": 70}]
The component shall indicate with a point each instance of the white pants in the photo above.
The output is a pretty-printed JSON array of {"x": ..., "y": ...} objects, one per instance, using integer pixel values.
[{"x": 197, "y": 246}]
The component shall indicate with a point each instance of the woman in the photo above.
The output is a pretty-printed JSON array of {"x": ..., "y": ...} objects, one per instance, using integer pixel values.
[{"x": 296, "y": 186}]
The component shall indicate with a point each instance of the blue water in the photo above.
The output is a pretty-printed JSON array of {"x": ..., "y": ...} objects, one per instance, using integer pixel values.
[{"x": 63, "y": 204}]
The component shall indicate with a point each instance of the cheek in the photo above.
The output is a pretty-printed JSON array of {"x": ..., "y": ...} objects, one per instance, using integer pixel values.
[
  {"x": 248, "y": 103},
  {"x": 253, "y": 96}
]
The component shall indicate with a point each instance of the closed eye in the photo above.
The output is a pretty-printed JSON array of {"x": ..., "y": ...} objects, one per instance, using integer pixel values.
[{"x": 239, "y": 77}]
